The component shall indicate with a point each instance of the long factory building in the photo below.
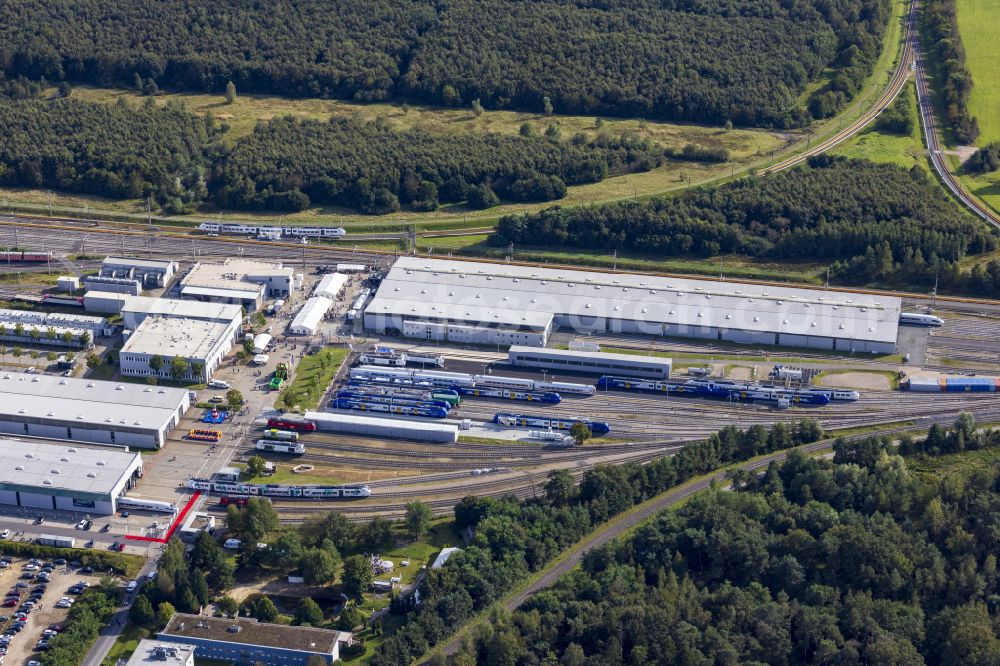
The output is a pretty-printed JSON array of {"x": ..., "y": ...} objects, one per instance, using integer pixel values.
[
  {"x": 41, "y": 475},
  {"x": 486, "y": 303},
  {"x": 89, "y": 410}
]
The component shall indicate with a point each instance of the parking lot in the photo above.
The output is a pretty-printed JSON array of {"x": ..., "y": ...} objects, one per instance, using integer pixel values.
[{"x": 36, "y": 603}]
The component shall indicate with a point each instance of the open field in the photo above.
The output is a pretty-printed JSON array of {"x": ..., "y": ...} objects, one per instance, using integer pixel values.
[
  {"x": 977, "y": 23},
  {"x": 883, "y": 147}
]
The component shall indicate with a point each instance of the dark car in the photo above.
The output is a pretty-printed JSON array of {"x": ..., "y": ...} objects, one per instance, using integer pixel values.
[
  {"x": 87, "y": 570},
  {"x": 27, "y": 575},
  {"x": 20, "y": 586},
  {"x": 60, "y": 562}
]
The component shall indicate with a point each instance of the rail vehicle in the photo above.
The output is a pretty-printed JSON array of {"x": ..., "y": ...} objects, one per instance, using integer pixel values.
[
  {"x": 391, "y": 399},
  {"x": 728, "y": 390},
  {"x": 434, "y": 377},
  {"x": 130, "y": 503},
  {"x": 240, "y": 502},
  {"x": 507, "y": 394},
  {"x": 553, "y": 423},
  {"x": 425, "y": 359},
  {"x": 204, "y": 435},
  {"x": 429, "y": 410},
  {"x": 920, "y": 319},
  {"x": 291, "y": 423},
  {"x": 25, "y": 257},
  {"x": 272, "y": 232},
  {"x": 235, "y": 491},
  {"x": 297, "y": 448},
  {"x": 835, "y": 394},
  {"x": 380, "y": 357},
  {"x": 532, "y": 384},
  {"x": 72, "y": 301},
  {"x": 424, "y": 393},
  {"x": 281, "y": 435}
]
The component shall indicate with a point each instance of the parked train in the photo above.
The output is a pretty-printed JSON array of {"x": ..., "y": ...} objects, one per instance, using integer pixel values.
[
  {"x": 272, "y": 232},
  {"x": 432, "y": 377},
  {"x": 234, "y": 490},
  {"x": 433, "y": 411},
  {"x": 535, "y": 421},
  {"x": 428, "y": 393},
  {"x": 920, "y": 319},
  {"x": 383, "y": 357},
  {"x": 729, "y": 390},
  {"x": 239, "y": 502},
  {"x": 391, "y": 399},
  {"x": 25, "y": 257},
  {"x": 71, "y": 301},
  {"x": 532, "y": 384},
  {"x": 507, "y": 394},
  {"x": 282, "y": 435},
  {"x": 291, "y": 423},
  {"x": 134, "y": 504},
  {"x": 298, "y": 448}
]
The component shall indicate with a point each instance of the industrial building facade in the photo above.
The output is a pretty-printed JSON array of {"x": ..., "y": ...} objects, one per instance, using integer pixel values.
[
  {"x": 439, "y": 299},
  {"x": 150, "y": 273},
  {"x": 201, "y": 344},
  {"x": 40, "y": 475},
  {"x": 239, "y": 281},
  {"x": 564, "y": 360},
  {"x": 88, "y": 410}
]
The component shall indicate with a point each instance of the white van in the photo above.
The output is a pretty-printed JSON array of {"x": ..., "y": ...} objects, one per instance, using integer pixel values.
[
  {"x": 232, "y": 544},
  {"x": 131, "y": 586},
  {"x": 218, "y": 384}
]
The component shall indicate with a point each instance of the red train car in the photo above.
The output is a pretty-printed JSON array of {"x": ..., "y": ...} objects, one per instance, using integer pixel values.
[
  {"x": 286, "y": 423},
  {"x": 26, "y": 257}
]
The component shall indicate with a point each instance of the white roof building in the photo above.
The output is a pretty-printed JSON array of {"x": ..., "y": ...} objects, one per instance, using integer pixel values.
[
  {"x": 137, "y": 308},
  {"x": 59, "y": 476},
  {"x": 528, "y": 298},
  {"x": 240, "y": 281},
  {"x": 203, "y": 344},
  {"x": 89, "y": 410},
  {"x": 151, "y": 652},
  {"x": 307, "y": 320},
  {"x": 95, "y": 325},
  {"x": 150, "y": 272},
  {"x": 331, "y": 285}
]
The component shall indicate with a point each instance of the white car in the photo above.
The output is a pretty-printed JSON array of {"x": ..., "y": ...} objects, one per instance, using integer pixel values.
[
  {"x": 31, "y": 567},
  {"x": 82, "y": 524},
  {"x": 5, "y": 534},
  {"x": 232, "y": 544},
  {"x": 218, "y": 384},
  {"x": 131, "y": 586}
]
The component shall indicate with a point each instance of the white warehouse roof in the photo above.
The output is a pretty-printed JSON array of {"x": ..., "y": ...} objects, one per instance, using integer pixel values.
[
  {"x": 49, "y": 468},
  {"x": 307, "y": 321},
  {"x": 148, "y": 264},
  {"x": 169, "y": 337},
  {"x": 172, "y": 307},
  {"x": 87, "y": 401},
  {"x": 330, "y": 285},
  {"x": 631, "y": 359},
  {"x": 385, "y": 427},
  {"x": 444, "y": 289}
]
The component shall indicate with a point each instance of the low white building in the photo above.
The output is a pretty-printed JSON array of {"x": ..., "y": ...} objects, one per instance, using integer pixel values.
[
  {"x": 331, "y": 285},
  {"x": 202, "y": 344},
  {"x": 104, "y": 302},
  {"x": 150, "y": 273},
  {"x": 239, "y": 281},
  {"x": 137, "y": 308},
  {"x": 308, "y": 319},
  {"x": 68, "y": 283},
  {"x": 31, "y": 327},
  {"x": 108, "y": 283}
]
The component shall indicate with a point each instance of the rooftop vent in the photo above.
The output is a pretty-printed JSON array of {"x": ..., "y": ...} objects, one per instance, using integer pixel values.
[
  {"x": 120, "y": 387},
  {"x": 90, "y": 384},
  {"x": 55, "y": 471},
  {"x": 62, "y": 382},
  {"x": 72, "y": 449},
  {"x": 47, "y": 482},
  {"x": 91, "y": 475},
  {"x": 100, "y": 463},
  {"x": 19, "y": 468},
  {"x": 29, "y": 455},
  {"x": 64, "y": 459},
  {"x": 235, "y": 629}
]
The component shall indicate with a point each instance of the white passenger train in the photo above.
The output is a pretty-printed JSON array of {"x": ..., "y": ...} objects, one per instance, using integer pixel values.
[
  {"x": 297, "y": 448},
  {"x": 265, "y": 232},
  {"x": 131, "y": 503},
  {"x": 920, "y": 319}
]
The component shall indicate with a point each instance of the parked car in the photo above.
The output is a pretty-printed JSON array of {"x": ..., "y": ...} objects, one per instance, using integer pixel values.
[
  {"x": 131, "y": 586},
  {"x": 5, "y": 534},
  {"x": 87, "y": 570}
]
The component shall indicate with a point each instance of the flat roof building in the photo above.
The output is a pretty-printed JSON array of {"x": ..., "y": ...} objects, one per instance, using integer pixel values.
[
  {"x": 376, "y": 426},
  {"x": 122, "y": 285},
  {"x": 95, "y": 325},
  {"x": 424, "y": 298},
  {"x": 628, "y": 365},
  {"x": 105, "y": 302},
  {"x": 247, "y": 641},
  {"x": 201, "y": 344},
  {"x": 307, "y": 320},
  {"x": 150, "y": 273},
  {"x": 41, "y": 475},
  {"x": 239, "y": 281},
  {"x": 137, "y": 308},
  {"x": 161, "y": 653},
  {"x": 89, "y": 410}
]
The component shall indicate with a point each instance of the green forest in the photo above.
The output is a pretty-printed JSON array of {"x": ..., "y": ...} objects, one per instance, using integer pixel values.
[
  {"x": 692, "y": 60},
  {"x": 873, "y": 222},
  {"x": 178, "y": 160},
  {"x": 855, "y": 560}
]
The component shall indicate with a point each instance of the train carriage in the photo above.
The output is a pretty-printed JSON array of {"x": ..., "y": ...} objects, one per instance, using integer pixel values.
[
  {"x": 535, "y": 421},
  {"x": 296, "y": 448}
]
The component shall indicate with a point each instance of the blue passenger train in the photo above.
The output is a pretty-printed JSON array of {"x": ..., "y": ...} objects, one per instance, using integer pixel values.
[
  {"x": 728, "y": 390},
  {"x": 496, "y": 392},
  {"x": 391, "y": 399},
  {"x": 421, "y": 409},
  {"x": 556, "y": 423}
]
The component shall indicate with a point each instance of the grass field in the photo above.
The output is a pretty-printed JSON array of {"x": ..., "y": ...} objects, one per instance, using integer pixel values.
[
  {"x": 876, "y": 146},
  {"x": 312, "y": 377},
  {"x": 977, "y": 24}
]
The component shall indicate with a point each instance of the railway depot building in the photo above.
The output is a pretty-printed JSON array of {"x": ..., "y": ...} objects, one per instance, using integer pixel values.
[
  {"x": 150, "y": 273},
  {"x": 201, "y": 344},
  {"x": 440, "y": 299},
  {"x": 238, "y": 281},
  {"x": 56, "y": 476},
  {"x": 88, "y": 410}
]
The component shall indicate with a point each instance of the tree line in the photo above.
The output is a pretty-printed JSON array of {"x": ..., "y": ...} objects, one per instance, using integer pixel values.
[
  {"x": 940, "y": 19},
  {"x": 879, "y": 221},
  {"x": 854, "y": 560},
  {"x": 686, "y": 60},
  {"x": 515, "y": 537},
  {"x": 176, "y": 159}
]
